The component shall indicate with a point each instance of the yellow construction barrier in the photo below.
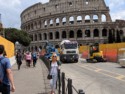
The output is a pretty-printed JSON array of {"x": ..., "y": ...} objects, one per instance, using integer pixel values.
[{"x": 9, "y": 47}]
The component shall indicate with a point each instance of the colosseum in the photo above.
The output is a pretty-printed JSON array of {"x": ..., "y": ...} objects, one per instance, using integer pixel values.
[{"x": 85, "y": 21}]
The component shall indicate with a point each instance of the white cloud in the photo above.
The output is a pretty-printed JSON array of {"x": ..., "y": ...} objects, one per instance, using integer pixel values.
[{"x": 9, "y": 3}]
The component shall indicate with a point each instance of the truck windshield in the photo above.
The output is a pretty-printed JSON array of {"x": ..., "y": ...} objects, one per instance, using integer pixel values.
[{"x": 70, "y": 46}]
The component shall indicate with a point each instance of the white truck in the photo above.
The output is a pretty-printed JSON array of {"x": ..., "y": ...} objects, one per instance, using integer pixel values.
[{"x": 69, "y": 51}]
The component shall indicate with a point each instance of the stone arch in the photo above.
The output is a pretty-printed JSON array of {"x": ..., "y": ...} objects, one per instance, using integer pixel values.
[
  {"x": 63, "y": 34},
  {"x": 36, "y": 48},
  {"x": 57, "y": 21},
  {"x": 56, "y": 46},
  {"x": 96, "y": 33},
  {"x": 35, "y": 37},
  {"x": 40, "y": 36},
  {"x": 31, "y": 25},
  {"x": 40, "y": 47},
  {"x": 79, "y": 19},
  {"x": 45, "y": 23},
  {"x": 32, "y": 48},
  {"x": 45, "y": 36},
  {"x": 103, "y": 18},
  {"x": 87, "y": 19},
  {"x": 57, "y": 35},
  {"x": 71, "y": 34},
  {"x": 121, "y": 32},
  {"x": 71, "y": 20},
  {"x": 35, "y": 24},
  {"x": 51, "y": 22},
  {"x": 104, "y": 32},
  {"x": 87, "y": 33},
  {"x": 50, "y": 35},
  {"x": 79, "y": 34},
  {"x": 31, "y": 36},
  {"x": 64, "y": 20},
  {"x": 95, "y": 18}
]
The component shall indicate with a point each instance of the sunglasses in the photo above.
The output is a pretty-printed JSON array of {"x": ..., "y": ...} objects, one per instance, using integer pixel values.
[{"x": 54, "y": 56}]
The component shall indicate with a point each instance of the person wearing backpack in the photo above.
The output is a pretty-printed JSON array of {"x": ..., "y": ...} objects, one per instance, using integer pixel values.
[
  {"x": 6, "y": 76},
  {"x": 34, "y": 58}
]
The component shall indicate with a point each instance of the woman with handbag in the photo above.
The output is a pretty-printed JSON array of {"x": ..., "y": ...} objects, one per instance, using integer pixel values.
[{"x": 54, "y": 73}]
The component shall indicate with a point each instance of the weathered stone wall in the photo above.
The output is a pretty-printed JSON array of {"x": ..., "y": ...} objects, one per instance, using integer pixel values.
[{"x": 86, "y": 21}]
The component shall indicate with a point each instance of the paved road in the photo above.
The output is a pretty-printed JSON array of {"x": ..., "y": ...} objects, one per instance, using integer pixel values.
[
  {"x": 98, "y": 78},
  {"x": 31, "y": 80}
]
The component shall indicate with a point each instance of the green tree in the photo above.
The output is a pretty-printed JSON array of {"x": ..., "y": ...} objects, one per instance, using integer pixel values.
[{"x": 14, "y": 35}]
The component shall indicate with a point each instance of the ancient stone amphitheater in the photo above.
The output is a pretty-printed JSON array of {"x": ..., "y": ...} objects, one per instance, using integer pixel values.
[{"x": 86, "y": 21}]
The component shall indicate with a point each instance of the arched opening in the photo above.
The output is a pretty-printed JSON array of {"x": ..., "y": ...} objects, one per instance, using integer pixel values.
[
  {"x": 79, "y": 34},
  {"x": 96, "y": 33},
  {"x": 40, "y": 37},
  {"x": 95, "y": 18},
  {"x": 32, "y": 26},
  {"x": 51, "y": 22},
  {"x": 57, "y": 46},
  {"x": 31, "y": 37},
  {"x": 45, "y": 36},
  {"x": 87, "y": 33},
  {"x": 35, "y": 37},
  {"x": 50, "y": 35},
  {"x": 103, "y": 18},
  {"x": 79, "y": 19},
  {"x": 45, "y": 23},
  {"x": 36, "y": 49},
  {"x": 121, "y": 32},
  {"x": 57, "y": 22},
  {"x": 35, "y": 25},
  {"x": 87, "y": 19},
  {"x": 71, "y": 20},
  {"x": 32, "y": 48},
  {"x": 57, "y": 35},
  {"x": 39, "y": 24},
  {"x": 64, "y": 34},
  {"x": 40, "y": 47},
  {"x": 71, "y": 34},
  {"x": 104, "y": 32},
  {"x": 64, "y": 21}
]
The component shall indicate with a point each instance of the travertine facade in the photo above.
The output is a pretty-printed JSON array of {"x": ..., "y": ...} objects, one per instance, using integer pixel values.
[{"x": 86, "y": 21}]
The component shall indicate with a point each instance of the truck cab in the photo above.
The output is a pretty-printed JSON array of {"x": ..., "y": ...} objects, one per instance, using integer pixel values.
[{"x": 69, "y": 51}]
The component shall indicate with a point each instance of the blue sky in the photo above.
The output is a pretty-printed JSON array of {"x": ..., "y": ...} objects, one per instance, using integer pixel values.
[{"x": 11, "y": 10}]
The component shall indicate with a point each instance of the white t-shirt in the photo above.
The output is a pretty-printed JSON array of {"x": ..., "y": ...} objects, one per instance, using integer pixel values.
[{"x": 54, "y": 67}]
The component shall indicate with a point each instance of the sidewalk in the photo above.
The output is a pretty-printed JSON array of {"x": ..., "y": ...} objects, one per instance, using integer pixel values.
[{"x": 31, "y": 80}]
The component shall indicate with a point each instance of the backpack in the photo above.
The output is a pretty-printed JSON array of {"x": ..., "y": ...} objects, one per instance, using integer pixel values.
[{"x": 1, "y": 70}]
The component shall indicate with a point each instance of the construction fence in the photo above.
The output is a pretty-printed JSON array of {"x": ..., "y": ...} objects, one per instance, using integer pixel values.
[
  {"x": 9, "y": 47},
  {"x": 110, "y": 51}
]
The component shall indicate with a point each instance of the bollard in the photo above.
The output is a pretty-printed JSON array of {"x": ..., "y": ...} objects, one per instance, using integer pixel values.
[
  {"x": 63, "y": 83},
  {"x": 59, "y": 81},
  {"x": 70, "y": 86},
  {"x": 81, "y": 91}
]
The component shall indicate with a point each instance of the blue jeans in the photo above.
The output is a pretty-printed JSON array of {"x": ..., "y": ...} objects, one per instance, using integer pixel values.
[{"x": 4, "y": 89}]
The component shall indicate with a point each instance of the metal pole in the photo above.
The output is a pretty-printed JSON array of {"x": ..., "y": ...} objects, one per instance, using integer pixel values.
[
  {"x": 63, "y": 83},
  {"x": 59, "y": 81},
  {"x": 70, "y": 86}
]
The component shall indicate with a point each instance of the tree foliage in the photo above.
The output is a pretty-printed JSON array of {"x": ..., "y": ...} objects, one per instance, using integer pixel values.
[{"x": 14, "y": 35}]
